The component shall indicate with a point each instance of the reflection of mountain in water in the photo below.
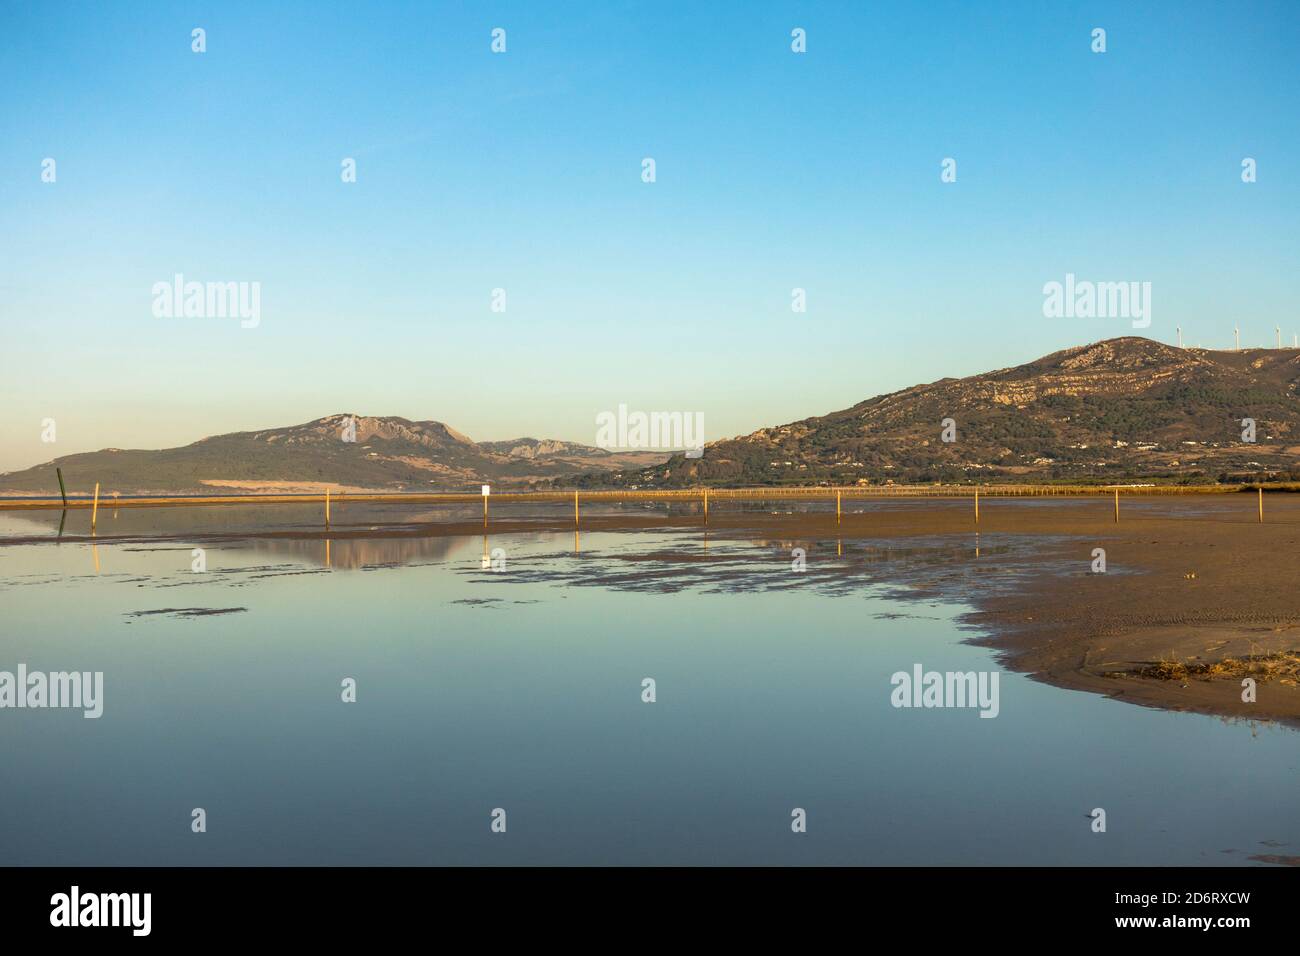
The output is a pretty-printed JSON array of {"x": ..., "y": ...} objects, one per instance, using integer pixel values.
[
  {"x": 180, "y": 529},
  {"x": 353, "y": 553},
  {"x": 185, "y": 523}
]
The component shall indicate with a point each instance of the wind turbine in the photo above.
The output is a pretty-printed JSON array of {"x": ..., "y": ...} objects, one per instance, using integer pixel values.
[
  {"x": 1278, "y": 330},
  {"x": 1180, "y": 336},
  {"x": 1236, "y": 333}
]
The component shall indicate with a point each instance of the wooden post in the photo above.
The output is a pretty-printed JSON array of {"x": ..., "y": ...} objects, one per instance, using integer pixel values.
[
  {"x": 1261, "y": 504},
  {"x": 327, "y": 507},
  {"x": 485, "y": 509},
  {"x": 94, "y": 509},
  {"x": 63, "y": 491},
  {"x": 977, "y": 504},
  {"x": 1117, "y": 505},
  {"x": 837, "y": 506},
  {"x": 706, "y": 505},
  {"x": 575, "y": 507}
]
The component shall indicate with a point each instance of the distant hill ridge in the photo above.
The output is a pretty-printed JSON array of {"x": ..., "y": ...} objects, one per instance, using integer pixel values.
[
  {"x": 388, "y": 454},
  {"x": 1118, "y": 409},
  {"x": 1121, "y": 409}
]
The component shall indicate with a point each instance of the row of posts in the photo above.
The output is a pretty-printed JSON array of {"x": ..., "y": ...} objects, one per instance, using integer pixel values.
[
  {"x": 839, "y": 510},
  {"x": 94, "y": 512}
]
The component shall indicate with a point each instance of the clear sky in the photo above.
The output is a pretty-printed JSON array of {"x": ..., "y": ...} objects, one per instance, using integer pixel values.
[{"x": 522, "y": 171}]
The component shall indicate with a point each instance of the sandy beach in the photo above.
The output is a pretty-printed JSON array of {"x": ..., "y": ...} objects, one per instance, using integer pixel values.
[{"x": 1199, "y": 587}]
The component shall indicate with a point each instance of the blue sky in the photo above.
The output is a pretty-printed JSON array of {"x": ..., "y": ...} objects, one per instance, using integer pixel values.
[{"x": 522, "y": 171}]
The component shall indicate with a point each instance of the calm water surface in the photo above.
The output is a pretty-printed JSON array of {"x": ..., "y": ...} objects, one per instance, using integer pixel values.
[{"x": 521, "y": 689}]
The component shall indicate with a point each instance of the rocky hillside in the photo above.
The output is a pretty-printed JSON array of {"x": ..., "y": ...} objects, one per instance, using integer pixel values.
[
  {"x": 389, "y": 454},
  {"x": 1126, "y": 409},
  {"x": 1121, "y": 409}
]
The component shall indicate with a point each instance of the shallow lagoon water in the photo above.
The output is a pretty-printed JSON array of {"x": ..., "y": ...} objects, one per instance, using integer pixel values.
[{"x": 521, "y": 689}]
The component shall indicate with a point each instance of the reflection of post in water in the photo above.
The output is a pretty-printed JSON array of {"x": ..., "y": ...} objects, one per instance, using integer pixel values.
[
  {"x": 487, "y": 561},
  {"x": 94, "y": 553},
  {"x": 577, "y": 542},
  {"x": 62, "y": 520},
  {"x": 327, "y": 553},
  {"x": 977, "y": 544},
  {"x": 839, "y": 547}
]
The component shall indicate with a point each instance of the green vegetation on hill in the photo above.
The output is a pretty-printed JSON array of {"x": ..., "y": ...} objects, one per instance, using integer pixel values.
[{"x": 1118, "y": 410}]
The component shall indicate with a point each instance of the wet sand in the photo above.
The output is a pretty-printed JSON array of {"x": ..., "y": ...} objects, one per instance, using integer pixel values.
[
  {"x": 1185, "y": 581},
  {"x": 1192, "y": 580}
]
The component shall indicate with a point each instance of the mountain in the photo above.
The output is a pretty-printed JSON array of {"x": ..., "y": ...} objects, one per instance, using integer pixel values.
[
  {"x": 1124, "y": 408},
  {"x": 388, "y": 454},
  {"x": 1118, "y": 410}
]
